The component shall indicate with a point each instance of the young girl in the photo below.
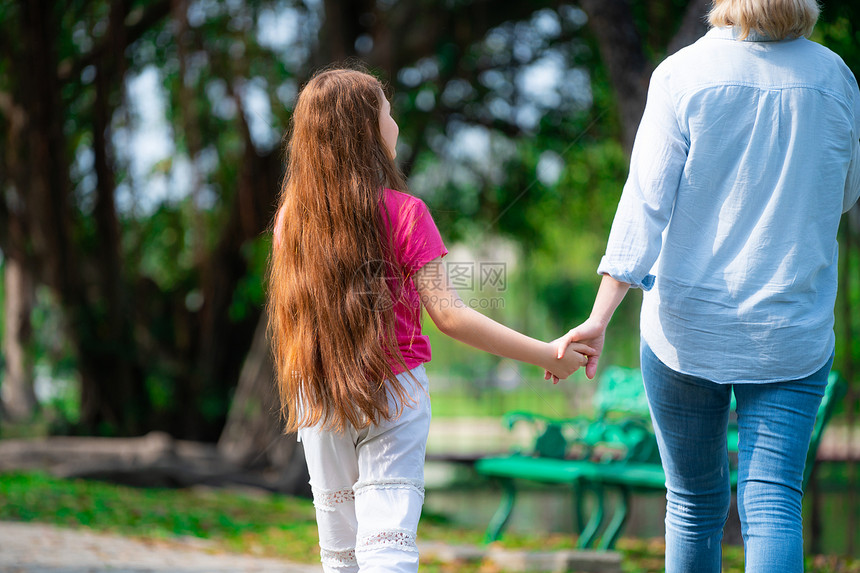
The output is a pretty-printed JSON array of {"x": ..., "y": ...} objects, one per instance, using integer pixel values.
[{"x": 354, "y": 261}]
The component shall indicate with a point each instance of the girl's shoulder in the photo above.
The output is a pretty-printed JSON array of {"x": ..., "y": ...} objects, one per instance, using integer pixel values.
[
  {"x": 399, "y": 198},
  {"x": 413, "y": 231},
  {"x": 403, "y": 206}
]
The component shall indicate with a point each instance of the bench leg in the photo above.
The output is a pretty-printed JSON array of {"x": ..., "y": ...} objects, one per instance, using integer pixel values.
[
  {"x": 578, "y": 507},
  {"x": 589, "y": 534},
  {"x": 619, "y": 518},
  {"x": 503, "y": 513}
]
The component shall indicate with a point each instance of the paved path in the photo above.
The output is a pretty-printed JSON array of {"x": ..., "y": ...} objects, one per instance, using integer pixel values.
[{"x": 39, "y": 548}]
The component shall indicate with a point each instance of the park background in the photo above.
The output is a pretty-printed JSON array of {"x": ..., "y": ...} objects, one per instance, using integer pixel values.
[{"x": 140, "y": 163}]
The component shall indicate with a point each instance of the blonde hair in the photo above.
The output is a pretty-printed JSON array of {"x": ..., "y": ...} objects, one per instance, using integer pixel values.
[{"x": 775, "y": 19}]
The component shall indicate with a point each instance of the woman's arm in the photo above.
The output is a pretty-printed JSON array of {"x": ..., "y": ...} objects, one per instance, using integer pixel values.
[
  {"x": 593, "y": 331},
  {"x": 454, "y": 318},
  {"x": 647, "y": 201}
]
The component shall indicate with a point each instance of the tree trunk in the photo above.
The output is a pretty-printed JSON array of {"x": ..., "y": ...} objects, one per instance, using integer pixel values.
[
  {"x": 622, "y": 50},
  {"x": 19, "y": 398},
  {"x": 693, "y": 26},
  {"x": 153, "y": 460},
  {"x": 253, "y": 436},
  {"x": 110, "y": 351},
  {"x": 42, "y": 172},
  {"x": 223, "y": 340},
  {"x": 344, "y": 23},
  {"x": 85, "y": 272},
  {"x": 48, "y": 187}
]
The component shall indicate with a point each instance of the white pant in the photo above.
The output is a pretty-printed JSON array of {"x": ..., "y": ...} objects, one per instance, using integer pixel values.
[{"x": 368, "y": 487}]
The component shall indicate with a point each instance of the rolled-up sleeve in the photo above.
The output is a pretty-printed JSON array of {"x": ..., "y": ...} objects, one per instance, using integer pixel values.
[{"x": 656, "y": 165}]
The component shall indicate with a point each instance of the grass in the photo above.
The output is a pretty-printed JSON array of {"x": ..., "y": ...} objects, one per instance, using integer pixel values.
[{"x": 272, "y": 525}]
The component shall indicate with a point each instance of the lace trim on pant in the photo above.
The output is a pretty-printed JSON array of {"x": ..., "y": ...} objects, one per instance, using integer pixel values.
[
  {"x": 328, "y": 500},
  {"x": 335, "y": 558},
  {"x": 401, "y": 539},
  {"x": 413, "y": 484}
]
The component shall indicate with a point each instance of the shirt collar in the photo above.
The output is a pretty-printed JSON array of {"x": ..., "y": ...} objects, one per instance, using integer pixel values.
[{"x": 732, "y": 33}]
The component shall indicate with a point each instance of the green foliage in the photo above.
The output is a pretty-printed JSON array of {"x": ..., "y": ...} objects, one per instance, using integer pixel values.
[
  {"x": 838, "y": 30},
  {"x": 161, "y": 244},
  {"x": 160, "y": 390},
  {"x": 559, "y": 231},
  {"x": 537, "y": 395},
  {"x": 270, "y": 525},
  {"x": 249, "y": 294}
]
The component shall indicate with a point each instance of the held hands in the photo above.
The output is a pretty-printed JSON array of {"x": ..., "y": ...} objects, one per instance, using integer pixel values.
[
  {"x": 563, "y": 365},
  {"x": 590, "y": 333}
]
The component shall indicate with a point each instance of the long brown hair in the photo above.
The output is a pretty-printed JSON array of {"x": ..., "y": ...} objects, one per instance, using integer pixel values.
[{"x": 330, "y": 301}]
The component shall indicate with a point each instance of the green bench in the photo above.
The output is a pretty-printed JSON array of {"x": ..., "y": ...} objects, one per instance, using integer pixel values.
[{"x": 615, "y": 450}]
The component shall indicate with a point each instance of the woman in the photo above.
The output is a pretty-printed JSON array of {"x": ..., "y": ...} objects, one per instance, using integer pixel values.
[{"x": 745, "y": 159}]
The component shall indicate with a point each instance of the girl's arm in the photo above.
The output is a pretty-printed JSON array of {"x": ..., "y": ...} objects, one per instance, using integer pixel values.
[{"x": 454, "y": 318}]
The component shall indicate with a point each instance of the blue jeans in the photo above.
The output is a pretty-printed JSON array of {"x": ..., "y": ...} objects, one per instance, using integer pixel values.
[{"x": 690, "y": 417}]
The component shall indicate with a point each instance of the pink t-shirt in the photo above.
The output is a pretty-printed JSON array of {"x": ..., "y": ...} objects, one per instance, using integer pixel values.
[{"x": 416, "y": 242}]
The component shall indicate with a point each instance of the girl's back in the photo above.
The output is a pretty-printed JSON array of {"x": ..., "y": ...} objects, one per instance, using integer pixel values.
[{"x": 354, "y": 263}]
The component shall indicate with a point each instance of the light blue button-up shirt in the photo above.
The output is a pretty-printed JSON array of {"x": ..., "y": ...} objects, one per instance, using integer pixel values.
[{"x": 746, "y": 157}]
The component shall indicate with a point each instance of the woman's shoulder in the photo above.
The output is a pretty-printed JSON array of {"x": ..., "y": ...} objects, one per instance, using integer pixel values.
[
  {"x": 818, "y": 53},
  {"x": 799, "y": 60},
  {"x": 828, "y": 69}
]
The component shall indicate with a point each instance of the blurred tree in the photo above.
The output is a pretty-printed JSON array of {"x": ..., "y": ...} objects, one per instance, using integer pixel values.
[
  {"x": 160, "y": 347},
  {"x": 515, "y": 117},
  {"x": 838, "y": 29},
  {"x": 624, "y": 48},
  {"x": 19, "y": 397}
]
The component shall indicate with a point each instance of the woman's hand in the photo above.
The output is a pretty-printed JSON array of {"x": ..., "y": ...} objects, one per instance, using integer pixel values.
[
  {"x": 562, "y": 366},
  {"x": 592, "y": 333}
]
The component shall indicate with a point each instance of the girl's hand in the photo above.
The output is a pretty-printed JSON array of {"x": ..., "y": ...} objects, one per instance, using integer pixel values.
[{"x": 563, "y": 366}]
